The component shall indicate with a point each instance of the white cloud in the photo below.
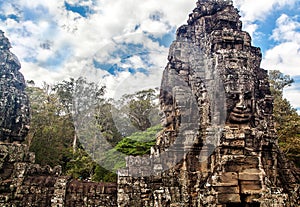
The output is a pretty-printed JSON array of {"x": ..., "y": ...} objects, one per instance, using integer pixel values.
[
  {"x": 125, "y": 83},
  {"x": 292, "y": 94},
  {"x": 33, "y": 72},
  {"x": 136, "y": 62},
  {"x": 285, "y": 55},
  {"x": 252, "y": 11},
  {"x": 84, "y": 38},
  {"x": 288, "y": 29},
  {"x": 259, "y": 10}
]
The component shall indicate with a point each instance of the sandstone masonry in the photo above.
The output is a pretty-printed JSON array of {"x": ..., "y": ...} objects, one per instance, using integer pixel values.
[{"x": 24, "y": 183}]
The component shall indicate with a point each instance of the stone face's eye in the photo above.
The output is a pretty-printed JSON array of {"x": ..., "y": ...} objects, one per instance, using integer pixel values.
[
  {"x": 248, "y": 95},
  {"x": 233, "y": 96}
]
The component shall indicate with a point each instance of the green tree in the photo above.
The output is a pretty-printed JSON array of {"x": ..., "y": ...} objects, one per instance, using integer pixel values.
[
  {"x": 103, "y": 175},
  {"x": 51, "y": 132},
  {"x": 79, "y": 98},
  {"x": 105, "y": 122},
  {"x": 140, "y": 109},
  {"x": 139, "y": 143},
  {"x": 278, "y": 81},
  {"x": 78, "y": 106},
  {"x": 287, "y": 120},
  {"x": 80, "y": 166}
]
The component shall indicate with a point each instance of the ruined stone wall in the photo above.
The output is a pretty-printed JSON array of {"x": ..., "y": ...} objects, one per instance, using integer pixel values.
[
  {"x": 24, "y": 183},
  {"x": 218, "y": 146}
]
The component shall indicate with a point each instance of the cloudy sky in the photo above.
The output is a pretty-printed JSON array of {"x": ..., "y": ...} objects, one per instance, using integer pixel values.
[{"x": 124, "y": 43}]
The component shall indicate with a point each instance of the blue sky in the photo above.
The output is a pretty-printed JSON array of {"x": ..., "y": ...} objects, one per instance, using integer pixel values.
[{"x": 124, "y": 43}]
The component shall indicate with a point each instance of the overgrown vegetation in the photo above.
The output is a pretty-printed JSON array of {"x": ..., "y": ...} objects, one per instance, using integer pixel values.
[
  {"x": 129, "y": 126},
  {"x": 287, "y": 120},
  {"x": 139, "y": 143}
]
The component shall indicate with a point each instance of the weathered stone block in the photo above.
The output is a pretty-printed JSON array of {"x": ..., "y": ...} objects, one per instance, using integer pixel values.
[
  {"x": 14, "y": 103},
  {"x": 251, "y": 187},
  {"x": 229, "y": 198},
  {"x": 228, "y": 189},
  {"x": 226, "y": 179},
  {"x": 249, "y": 176}
]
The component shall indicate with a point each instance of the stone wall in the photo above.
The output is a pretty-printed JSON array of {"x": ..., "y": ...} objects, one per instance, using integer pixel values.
[{"x": 24, "y": 183}]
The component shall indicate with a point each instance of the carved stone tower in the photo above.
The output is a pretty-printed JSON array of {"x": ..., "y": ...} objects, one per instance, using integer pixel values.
[
  {"x": 14, "y": 104},
  {"x": 218, "y": 146}
]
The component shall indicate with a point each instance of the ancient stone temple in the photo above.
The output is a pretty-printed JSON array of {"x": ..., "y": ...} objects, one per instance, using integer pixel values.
[
  {"x": 14, "y": 105},
  {"x": 218, "y": 146}
]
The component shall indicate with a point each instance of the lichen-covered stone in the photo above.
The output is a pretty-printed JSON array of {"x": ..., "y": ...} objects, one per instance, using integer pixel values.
[{"x": 14, "y": 104}]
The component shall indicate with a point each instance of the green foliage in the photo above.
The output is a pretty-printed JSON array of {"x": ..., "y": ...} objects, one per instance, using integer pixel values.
[
  {"x": 287, "y": 120},
  {"x": 113, "y": 160},
  {"x": 104, "y": 175},
  {"x": 141, "y": 109},
  {"x": 139, "y": 143},
  {"x": 79, "y": 98},
  {"x": 51, "y": 132},
  {"x": 105, "y": 122},
  {"x": 278, "y": 81},
  {"x": 60, "y": 109},
  {"x": 81, "y": 165}
]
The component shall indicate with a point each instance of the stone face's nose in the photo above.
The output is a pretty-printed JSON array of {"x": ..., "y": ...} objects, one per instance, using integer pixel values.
[
  {"x": 241, "y": 113},
  {"x": 241, "y": 105}
]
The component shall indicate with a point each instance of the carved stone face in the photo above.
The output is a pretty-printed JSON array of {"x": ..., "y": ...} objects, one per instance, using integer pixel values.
[
  {"x": 239, "y": 88},
  {"x": 241, "y": 113},
  {"x": 168, "y": 117}
]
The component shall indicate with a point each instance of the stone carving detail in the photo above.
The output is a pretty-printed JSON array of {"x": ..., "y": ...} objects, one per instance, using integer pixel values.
[
  {"x": 218, "y": 146},
  {"x": 14, "y": 104}
]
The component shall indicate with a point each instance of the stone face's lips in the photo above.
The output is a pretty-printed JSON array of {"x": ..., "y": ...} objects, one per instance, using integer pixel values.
[{"x": 240, "y": 115}]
